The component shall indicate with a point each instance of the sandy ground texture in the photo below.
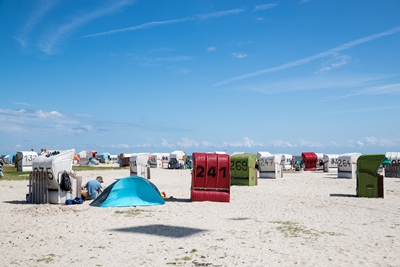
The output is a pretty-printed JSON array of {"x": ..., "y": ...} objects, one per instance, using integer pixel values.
[{"x": 302, "y": 219}]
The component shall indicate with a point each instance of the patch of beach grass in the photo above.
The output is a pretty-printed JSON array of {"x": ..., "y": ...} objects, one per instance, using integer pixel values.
[
  {"x": 295, "y": 229},
  {"x": 49, "y": 258},
  {"x": 131, "y": 212},
  {"x": 91, "y": 168},
  {"x": 10, "y": 171}
]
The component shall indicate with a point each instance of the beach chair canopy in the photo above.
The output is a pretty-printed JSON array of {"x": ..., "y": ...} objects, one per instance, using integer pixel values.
[
  {"x": 386, "y": 161},
  {"x": 331, "y": 160},
  {"x": 127, "y": 192},
  {"x": 310, "y": 160},
  {"x": 103, "y": 157},
  {"x": 394, "y": 157},
  {"x": 369, "y": 182},
  {"x": 243, "y": 171},
  {"x": 54, "y": 164},
  {"x": 92, "y": 162}
]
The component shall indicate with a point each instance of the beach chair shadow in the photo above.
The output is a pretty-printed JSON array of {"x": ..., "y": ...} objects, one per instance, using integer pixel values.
[
  {"x": 18, "y": 202},
  {"x": 173, "y": 199},
  {"x": 331, "y": 176},
  {"x": 343, "y": 195},
  {"x": 239, "y": 219},
  {"x": 161, "y": 230}
]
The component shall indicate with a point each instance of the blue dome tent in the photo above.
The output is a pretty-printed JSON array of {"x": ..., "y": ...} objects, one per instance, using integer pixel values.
[{"x": 127, "y": 192}]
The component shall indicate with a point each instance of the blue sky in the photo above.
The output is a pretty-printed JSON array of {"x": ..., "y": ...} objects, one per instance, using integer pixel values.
[{"x": 125, "y": 76}]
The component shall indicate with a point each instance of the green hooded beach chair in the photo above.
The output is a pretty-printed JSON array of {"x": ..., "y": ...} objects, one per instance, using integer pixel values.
[
  {"x": 243, "y": 171},
  {"x": 369, "y": 182}
]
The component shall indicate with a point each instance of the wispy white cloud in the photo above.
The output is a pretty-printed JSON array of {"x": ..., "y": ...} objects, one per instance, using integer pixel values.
[
  {"x": 139, "y": 27},
  {"x": 56, "y": 37},
  {"x": 304, "y": 1},
  {"x": 165, "y": 143},
  {"x": 306, "y": 60},
  {"x": 363, "y": 110},
  {"x": 245, "y": 142},
  {"x": 336, "y": 62},
  {"x": 264, "y": 7},
  {"x": 182, "y": 71},
  {"x": 190, "y": 143},
  {"x": 316, "y": 82},
  {"x": 239, "y": 55},
  {"x": 186, "y": 143},
  {"x": 120, "y": 146},
  {"x": 314, "y": 144},
  {"x": 163, "y": 49},
  {"x": 172, "y": 21},
  {"x": 174, "y": 59},
  {"x": 280, "y": 143},
  {"x": 147, "y": 62},
  {"x": 212, "y": 48},
  {"x": 360, "y": 143},
  {"x": 383, "y": 89},
  {"x": 371, "y": 141},
  {"x": 218, "y": 14},
  {"x": 21, "y": 103},
  {"x": 388, "y": 143},
  {"x": 388, "y": 89},
  {"x": 42, "y": 8},
  {"x": 39, "y": 115},
  {"x": 333, "y": 144},
  {"x": 83, "y": 128},
  {"x": 35, "y": 121}
]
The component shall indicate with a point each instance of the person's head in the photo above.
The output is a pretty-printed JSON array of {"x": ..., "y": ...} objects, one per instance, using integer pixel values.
[{"x": 100, "y": 179}]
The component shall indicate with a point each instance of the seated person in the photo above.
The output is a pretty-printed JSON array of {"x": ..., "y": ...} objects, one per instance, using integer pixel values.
[
  {"x": 92, "y": 188},
  {"x": 321, "y": 163}
]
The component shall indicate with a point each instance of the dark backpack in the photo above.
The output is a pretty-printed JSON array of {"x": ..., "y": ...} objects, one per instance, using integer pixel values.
[{"x": 65, "y": 183}]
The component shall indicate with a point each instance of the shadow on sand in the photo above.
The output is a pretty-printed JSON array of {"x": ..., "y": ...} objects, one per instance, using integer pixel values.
[
  {"x": 342, "y": 195},
  {"x": 161, "y": 230},
  {"x": 239, "y": 219},
  {"x": 172, "y": 199},
  {"x": 331, "y": 176},
  {"x": 18, "y": 202}
]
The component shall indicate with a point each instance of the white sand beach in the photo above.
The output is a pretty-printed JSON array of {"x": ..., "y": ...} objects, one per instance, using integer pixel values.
[{"x": 302, "y": 219}]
